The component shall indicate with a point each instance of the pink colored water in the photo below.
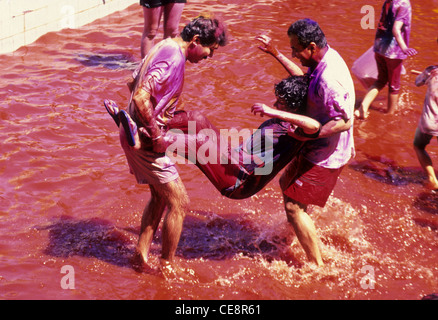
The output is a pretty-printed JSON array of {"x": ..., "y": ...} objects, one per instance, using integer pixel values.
[{"x": 66, "y": 197}]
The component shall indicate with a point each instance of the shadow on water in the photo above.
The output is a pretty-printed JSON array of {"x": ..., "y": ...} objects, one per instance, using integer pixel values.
[
  {"x": 110, "y": 61},
  {"x": 388, "y": 171},
  {"x": 205, "y": 235},
  {"x": 97, "y": 238}
]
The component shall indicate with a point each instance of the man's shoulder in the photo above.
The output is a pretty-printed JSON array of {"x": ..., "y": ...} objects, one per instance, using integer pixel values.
[
  {"x": 168, "y": 51},
  {"x": 333, "y": 77}
]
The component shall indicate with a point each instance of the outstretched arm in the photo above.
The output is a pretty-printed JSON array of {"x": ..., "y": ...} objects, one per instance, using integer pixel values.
[
  {"x": 308, "y": 125},
  {"x": 291, "y": 67}
]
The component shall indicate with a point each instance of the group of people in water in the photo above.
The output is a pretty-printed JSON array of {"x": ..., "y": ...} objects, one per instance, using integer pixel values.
[{"x": 309, "y": 132}]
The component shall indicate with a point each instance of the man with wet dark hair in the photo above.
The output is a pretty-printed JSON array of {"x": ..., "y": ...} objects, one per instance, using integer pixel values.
[
  {"x": 311, "y": 176},
  {"x": 210, "y": 31},
  {"x": 308, "y": 31}
]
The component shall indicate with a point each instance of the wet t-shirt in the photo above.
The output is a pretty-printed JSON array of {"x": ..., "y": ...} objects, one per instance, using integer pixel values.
[{"x": 163, "y": 78}]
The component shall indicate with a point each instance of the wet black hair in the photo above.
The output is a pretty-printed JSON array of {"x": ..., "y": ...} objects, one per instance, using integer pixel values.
[
  {"x": 210, "y": 31},
  {"x": 308, "y": 31},
  {"x": 294, "y": 91}
]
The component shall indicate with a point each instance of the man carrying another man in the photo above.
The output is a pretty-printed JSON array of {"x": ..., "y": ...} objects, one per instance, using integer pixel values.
[{"x": 311, "y": 177}]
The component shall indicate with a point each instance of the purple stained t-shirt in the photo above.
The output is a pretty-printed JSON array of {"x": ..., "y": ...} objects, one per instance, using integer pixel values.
[
  {"x": 385, "y": 43},
  {"x": 331, "y": 96},
  {"x": 164, "y": 78}
]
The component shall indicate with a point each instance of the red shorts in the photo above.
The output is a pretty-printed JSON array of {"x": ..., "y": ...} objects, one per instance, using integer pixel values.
[
  {"x": 389, "y": 73},
  {"x": 308, "y": 183}
]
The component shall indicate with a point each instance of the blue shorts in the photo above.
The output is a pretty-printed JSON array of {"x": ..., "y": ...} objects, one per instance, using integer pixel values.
[{"x": 158, "y": 3}]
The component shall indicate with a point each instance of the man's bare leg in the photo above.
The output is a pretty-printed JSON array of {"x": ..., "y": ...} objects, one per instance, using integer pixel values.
[
  {"x": 173, "y": 196},
  {"x": 177, "y": 202},
  {"x": 152, "y": 17},
  {"x": 304, "y": 229},
  {"x": 172, "y": 15},
  {"x": 149, "y": 222}
]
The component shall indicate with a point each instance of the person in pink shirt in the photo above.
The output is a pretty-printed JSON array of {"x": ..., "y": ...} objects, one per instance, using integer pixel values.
[
  {"x": 391, "y": 47},
  {"x": 157, "y": 85},
  {"x": 311, "y": 176}
]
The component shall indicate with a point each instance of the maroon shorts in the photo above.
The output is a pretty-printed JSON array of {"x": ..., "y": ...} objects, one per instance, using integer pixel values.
[
  {"x": 308, "y": 183},
  {"x": 389, "y": 73}
]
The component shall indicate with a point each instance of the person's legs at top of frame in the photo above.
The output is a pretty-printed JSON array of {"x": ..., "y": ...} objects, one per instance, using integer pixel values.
[{"x": 153, "y": 10}]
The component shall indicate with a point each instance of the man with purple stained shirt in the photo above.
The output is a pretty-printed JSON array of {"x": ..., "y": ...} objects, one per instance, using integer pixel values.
[
  {"x": 157, "y": 85},
  {"x": 311, "y": 176}
]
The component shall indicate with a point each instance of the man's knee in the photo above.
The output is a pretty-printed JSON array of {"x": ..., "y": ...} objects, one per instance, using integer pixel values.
[
  {"x": 183, "y": 202},
  {"x": 291, "y": 211},
  {"x": 293, "y": 208},
  {"x": 150, "y": 32},
  {"x": 176, "y": 195}
]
